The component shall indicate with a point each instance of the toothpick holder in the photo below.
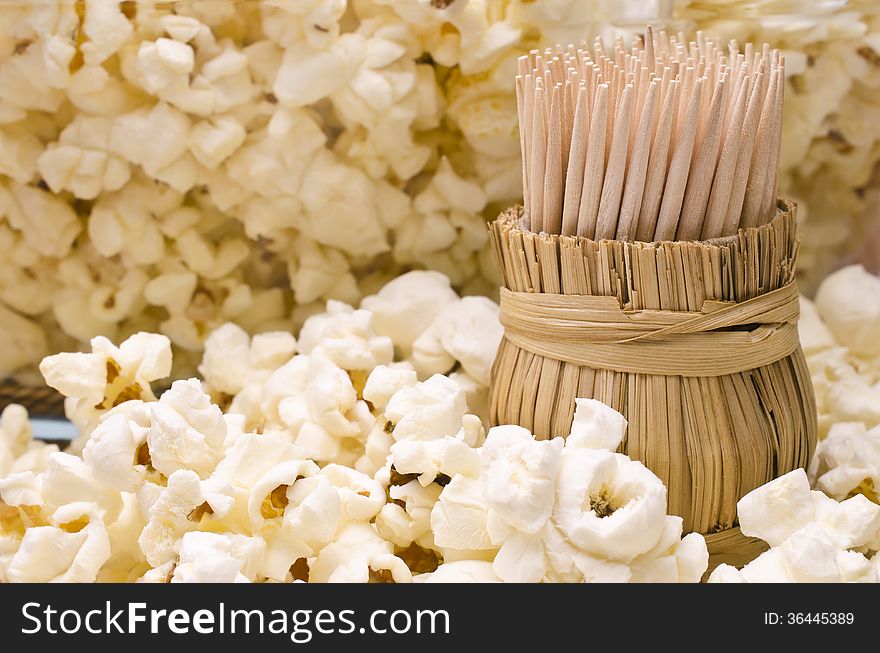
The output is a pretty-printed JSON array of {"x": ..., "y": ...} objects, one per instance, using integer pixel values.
[{"x": 694, "y": 342}]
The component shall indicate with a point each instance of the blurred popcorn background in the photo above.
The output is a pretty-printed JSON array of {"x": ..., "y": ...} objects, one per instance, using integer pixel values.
[{"x": 170, "y": 166}]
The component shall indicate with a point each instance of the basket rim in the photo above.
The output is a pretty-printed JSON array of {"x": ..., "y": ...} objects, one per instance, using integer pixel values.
[{"x": 512, "y": 219}]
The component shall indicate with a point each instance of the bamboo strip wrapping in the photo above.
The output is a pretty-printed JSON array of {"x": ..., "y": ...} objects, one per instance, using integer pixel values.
[{"x": 711, "y": 438}]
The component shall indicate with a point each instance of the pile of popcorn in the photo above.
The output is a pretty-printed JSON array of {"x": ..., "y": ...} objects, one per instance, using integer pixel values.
[
  {"x": 357, "y": 452},
  {"x": 354, "y": 452},
  {"x": 170, "y": 167}
]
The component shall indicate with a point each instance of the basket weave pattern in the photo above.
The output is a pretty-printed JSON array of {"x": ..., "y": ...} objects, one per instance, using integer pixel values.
[{"x": 734, "y": 408}]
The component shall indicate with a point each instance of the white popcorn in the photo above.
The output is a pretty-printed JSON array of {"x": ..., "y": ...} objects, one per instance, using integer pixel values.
[
  {"x": 808, "y": 556},
  {"x": 282, "y": 476},
  {"x": 252, "y": 455},
  {"x": 348, "y": 559},
  {"x": 181, "y": 28},
  {"x": 80, "y": 161},
  {"x": 849, "y": 524},
  {"x": 461, "y": 571},
  {"x": 346, "y": 337},
  {"x": 115, "y": 228},
  {"x": 849, "y": 303},
  {"x": 214, "y": 142},
  {"x": 19, "y": 156},
  {"x": 156, "y": 139},
  {"x": 467, "y": 331},
  {"x": 848, "y": 461},
  {"x": 777, "y": 510},
  {"x": 387, "y": 568},
  {"x": 116, "y": 449},
  {"x": 65, "y": 480},
  {"x": 596, "y": 426},
  {"x": 45, "y": 221},
  {"x": 108, "y": 376},
  {"x": 384, "y": 381},
  {"x": 448, "y": 456},
  {"x": 26, "y": 341},
  {"x": 814, "y": 335},
  {"x": 308, "y": 74},
  {"x": 428, "y": 410},
  {"x": 360, "y": 496},
  {"x": 174, "y": 512},
  {"x": 460, "y": 517},
  {"x": 813, "y": 537},
  {"x": 407, "y": 305},
  {"x": 232, "y": 360},
  {"x": 477, "y": 395},
  {"x": 186, "y": 431},
  {"x": 15, "y": 436},
  {"x": 566, "y": 513},
  {"x": 70, "y": 551},
  {"x": 626, "y": 504},
  {"x": 218, "y": 558},
  {"x": 518, "y": 477},
  {"x": 107, "y": 30}
]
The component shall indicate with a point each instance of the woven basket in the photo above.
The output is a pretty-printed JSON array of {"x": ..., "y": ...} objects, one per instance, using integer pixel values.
[
  {"x": 40, "y": 401},
  {"x": 694, "y": 342}
]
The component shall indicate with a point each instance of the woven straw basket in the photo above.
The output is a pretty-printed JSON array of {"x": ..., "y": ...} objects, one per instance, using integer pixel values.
[{"x": 694, "y": 342}]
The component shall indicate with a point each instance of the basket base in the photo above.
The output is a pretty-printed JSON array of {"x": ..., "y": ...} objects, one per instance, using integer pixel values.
[{"x": 733, "y": 548}]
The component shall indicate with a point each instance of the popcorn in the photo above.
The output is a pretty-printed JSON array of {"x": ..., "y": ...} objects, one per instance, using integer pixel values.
[
  {"x": 186, "y": 430},
  {"x": 627, "y": 504},
  {"x": 384, "y": 381},
  {"x": 776, "y": 510},
  {"x": 460, "y": 518},
  {"x": 218, "y": 558},
  {"x": 468, "y": 331},
  {"x": 849, "y": 303},
  {"x": 847, "y": 462},
  {"x": 116, "y": 448},
  {"x": 567, "y": 512},
  {"x": 157, "y": 140},
  {"x": 449, "y": 456},
  {"x": 325, "y": 459},
  {"x": 80, "y": 161},
  {"x": 308, "y": 74},
  {"x": 461, "y": 571},
  {"x": 72, "y": 550},
  {"x": 108, "y": 376},
  {"x": 355, "y": 552},
  {"x": 66, "y": 480},
  {"x": 596, "y": 426},
  {"x": 518, "y": 476},
  {"x": 812, "y": 536},
  {"x": 174, "y": 512},
  {"x": 47, "y": 224},
  {"x": 346, "y": 337},
  {"x": 26, "y": 341},
  {"x": 407, "y": 305},
  {"x": 212, "y": 143},
  {"x": 232, "y": 360},
  {"x": 808, "y": 556},
  {"x": 15, "y": 436},
  {"x": 427, "y": 410},
  {"x": 106, "y": 28}
]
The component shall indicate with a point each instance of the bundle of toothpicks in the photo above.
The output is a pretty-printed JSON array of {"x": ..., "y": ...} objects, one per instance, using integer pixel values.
[
  {"x": 652, "y": 267},
  {"x": 666, "y": 140}
]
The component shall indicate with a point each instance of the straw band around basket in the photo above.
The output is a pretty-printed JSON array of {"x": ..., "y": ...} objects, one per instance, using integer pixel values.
[
  {"x": 596, "y": 331},
  {"x": 695, "y": 343}
]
